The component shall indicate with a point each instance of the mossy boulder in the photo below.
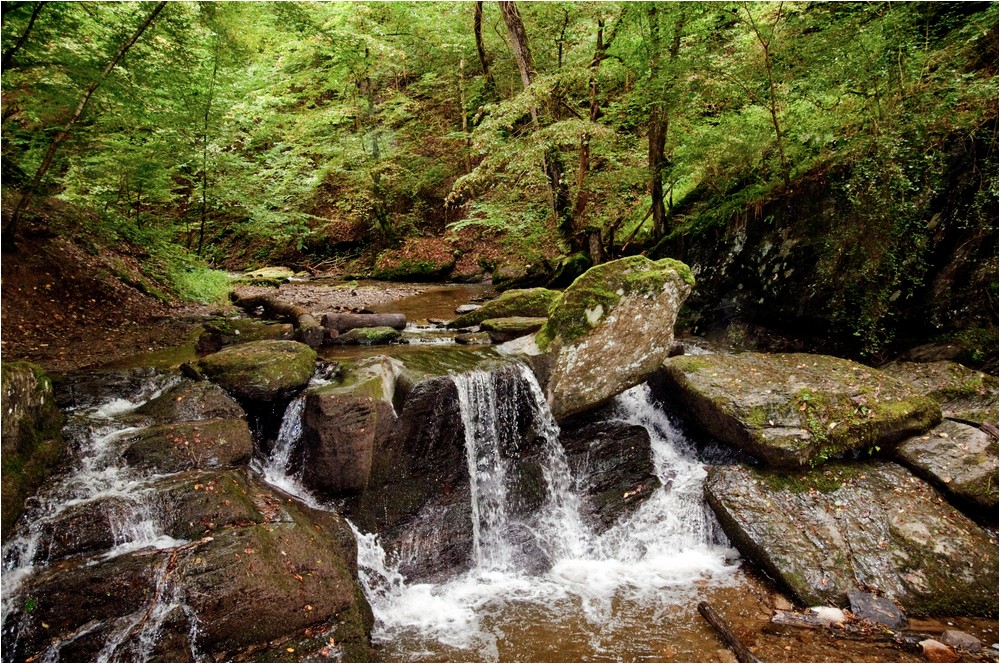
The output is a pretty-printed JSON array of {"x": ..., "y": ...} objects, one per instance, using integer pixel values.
[
  {"x": 32, "y": 444},
  {"x": 961, "y": 460},
  {"x": 533, "y": 302},
  {"x": 368, "y": 336},
  {"x": 824, "y": 532},
  {"x": 204, "y": 444},
  {"x": 521, "y": 274},
  {"x": 228, "y": 331},
  {"x": 266, "y": 276},
  {"x": 512, "y": 327},
  {"x": 192, "y": 400},
  {"x": 261, "y": 370},
  {"x": 963, "y": 393},
  {"x": 796, "y": 409},
  {"x": 610, "y": 330}
]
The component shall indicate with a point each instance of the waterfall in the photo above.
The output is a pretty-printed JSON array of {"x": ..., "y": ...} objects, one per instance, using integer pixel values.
[
  {"x": 278, "y": 467},
  {"x": 646, "y": 563}
]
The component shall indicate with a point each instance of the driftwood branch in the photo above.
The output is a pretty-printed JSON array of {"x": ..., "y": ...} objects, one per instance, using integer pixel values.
[
  {"x": 308, "y": 329},
  {"x": 732, "y": 641}
]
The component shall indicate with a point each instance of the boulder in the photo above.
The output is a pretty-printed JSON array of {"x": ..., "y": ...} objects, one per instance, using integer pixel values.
[
  {"x": 31, "y": 444},
  {"x": 610, "y": 330},
  {"x": 506, "y": 329},
  {"x": 342, "y": 322},
  {"x": 532, "y": 302},
  {"x": 796, "y": 409},
  {"x": 473, "y": 339},
  {"x": 228, "y": 331},
  {"x": 171, "y": 448},
  {"x": 368, "y": 336},
  {"x": 613, "y": 465},
  {"x": 266, "y": 276},
  {"x": 343, "y": 424},
  {"x": 189, "y": 602},
  {"x": 960, "y": 460},
  {"x": 824, "y": 532},
  {"x": 963, "y": 393},
  {"x": 261, "y": 370},
  {"x": 190, "y": 401}
]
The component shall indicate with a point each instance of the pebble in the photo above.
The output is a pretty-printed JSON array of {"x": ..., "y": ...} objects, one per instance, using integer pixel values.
[
  {"x": 936, "y": 651},
  {"x": 962, "y": 640}
]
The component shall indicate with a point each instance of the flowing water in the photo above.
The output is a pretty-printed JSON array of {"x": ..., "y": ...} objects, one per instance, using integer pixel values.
[
  {"x": 604, "y": 597},
  {"x": 97, "y": 480}
]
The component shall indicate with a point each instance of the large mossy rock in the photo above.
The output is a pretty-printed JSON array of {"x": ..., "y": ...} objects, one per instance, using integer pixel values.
[
  {"x": 610, "y": 330},
  {"x": 344, "y": 423},
  {"x": 532, "y": 302},
  {"x": 222, "y": 332},
  {"x": 829, "y": 530},
  {"x": 32, "y": 444},
  {"x": 963, "y": 393},
  {"x": 261, "y": 370},
  {"x": 207, "y": 443},
  {"x": 961, "y": 460},
  {"x": 796, "y": 409},
  {"x": 265, "y": 575}
]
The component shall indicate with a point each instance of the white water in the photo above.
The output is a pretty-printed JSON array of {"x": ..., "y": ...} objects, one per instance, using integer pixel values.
[
  {"x": 654, "y": 560},
  {"x": 96, "y": 474}
]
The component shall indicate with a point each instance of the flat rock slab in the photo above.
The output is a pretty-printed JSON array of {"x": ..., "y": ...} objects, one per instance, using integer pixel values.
[
  {"x": 171, "y": 448},
  {"x": 960, "y": 459},
  {"x": 506, "y": 329},
  {"x": 963, "y": 393},
  {"x": 796, "y": 409},
  {"x": 261, "y": 370},
  {"x": 825, "y": 532}
]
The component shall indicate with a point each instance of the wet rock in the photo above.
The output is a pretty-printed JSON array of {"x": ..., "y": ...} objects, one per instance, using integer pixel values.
[
  {"x": 796, "y": 409},
  {"x": 963, "y": 393},
  {"x": 613, "y": 464},
  {"x": 610, "y": 330},
  {"x": 466, "y": 309},
  {"x": 961, "y": 640},
  {"x": 828, "y": 615},
  {"x": 826, "y": 531},
  {"x": 261, "y": 370},
  {"x": 935, "y": 651},
  {"x": 86, "y": 390},
  {"x": 512, "y": 327},
  {"x": 31, "y": 444},
  {"x": 869, "y": 606},
  {"x": 961, "y": 460},
  {"x": 368, "y": 336},
  {"x": 191, "y": 401},
  {"x": 228, "y": 331},
  {"x": 473, "y": 339},
  {"x": 527, "y": 302},
  {"x": 205, "y": 444}
]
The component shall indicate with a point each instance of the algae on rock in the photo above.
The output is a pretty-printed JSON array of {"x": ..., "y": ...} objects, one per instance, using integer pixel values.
[{"x": 261, "y": 370}]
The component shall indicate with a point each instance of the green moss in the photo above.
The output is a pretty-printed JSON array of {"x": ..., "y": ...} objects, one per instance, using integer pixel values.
[
  {"x": 826, "y": 480},
  {"x": 520, "y": 302},
  {"x": 412, "y": 270},
  {"x": 369, "y": 336},
  {"x": 680, "y": 268}
]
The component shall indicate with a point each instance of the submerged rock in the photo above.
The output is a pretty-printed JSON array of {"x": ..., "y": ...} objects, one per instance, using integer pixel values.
[
  {"x": 829, "y": 530},
  {"x": 32, "y": 444},
  {"x": 963, "y": 393},
  {"x": 529, "y": 302},
  {"x": 960, "y": 459},
  {"x": 610, "y": 330},
  {"x": 261, "y": 370},
  {"x": 796, "y": 409}
]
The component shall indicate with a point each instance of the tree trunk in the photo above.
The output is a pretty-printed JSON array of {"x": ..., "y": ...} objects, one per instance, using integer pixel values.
[
  {"x": 12, "y": 225},
  {"x": 8, "y": 56},
  {"x": 490, "y": 87},
  {"x": 309, "y": 331},
  {"x": 657, "y": 144}
]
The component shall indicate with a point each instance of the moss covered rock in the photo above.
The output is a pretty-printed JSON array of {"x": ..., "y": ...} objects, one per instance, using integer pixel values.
[
  {"x": 261, "y": 370},
  {"x": 204, "y": 444},
  {"x": 369, "y": 336},
  {"x": 228, "y": 331},
  {"x": 796, "y": 409},
  {"x": 266, "y": 276},
  {"x": 961, "y": 460},
  {"x": 824, "y": 532},
  {"x": 963, "y": 393},
  {"x": 512, "y": 327},
  {"x": 534, "y": 302},
  {"x": 31, "y": 444},
  {"x": 610, "y": 330}
]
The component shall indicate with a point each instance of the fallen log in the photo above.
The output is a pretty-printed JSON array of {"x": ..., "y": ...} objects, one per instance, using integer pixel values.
[
  {"x": 732, "y": 641},
  {"x": 342, "y": 322},
  {"x": 308, "y": 329}
]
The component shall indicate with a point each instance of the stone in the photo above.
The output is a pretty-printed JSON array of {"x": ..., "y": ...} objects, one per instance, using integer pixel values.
[
  {"x": 528, "y": 302},
  {"x": 610, "y": 330},
  {"x": 261, "y": 370},
  {"x": 869, "y": 606},
  {"x": 266, "y": 276},
  {"x": 205, "y": 444},
  {"x": 191, "y": 401},
  {"x": 473, "y": 339},
  {"x": 512, "y": 327},
  {"x": 960, "y": 640},
  {"x": 935, "y": 651},
  {"x": 466, "y": 309},
  {"x": 828, "y": 615},
  {"x": 963, "y": 393},
  {"x": 223, "y": 332},
  {"x": 369, "y": 336},
  {"x": 962, "y": 461},
  {"x": 613, "y": 465},
  {"x": 823, "y": 532},
  {"x": 795, "y": 409},
  {"x": 31, "y": 444}
]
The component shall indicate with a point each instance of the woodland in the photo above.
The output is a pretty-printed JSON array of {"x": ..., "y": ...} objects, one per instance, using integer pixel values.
[{"x": 461, "y": 140}]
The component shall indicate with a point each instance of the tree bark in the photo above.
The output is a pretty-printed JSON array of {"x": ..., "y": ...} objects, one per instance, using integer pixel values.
[
  {"x": 732, "y": 641},
  {"x": 8, "y": 56},
  {"x": 309, "y": 331},
  {"x": 11, "y": 228},
  {"x": 481, "y": 49}
]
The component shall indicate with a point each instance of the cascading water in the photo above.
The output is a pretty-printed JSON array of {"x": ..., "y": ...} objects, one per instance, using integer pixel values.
[
  {"x": 600, "y": 591},
  {"x": 97, "y": 477}
]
